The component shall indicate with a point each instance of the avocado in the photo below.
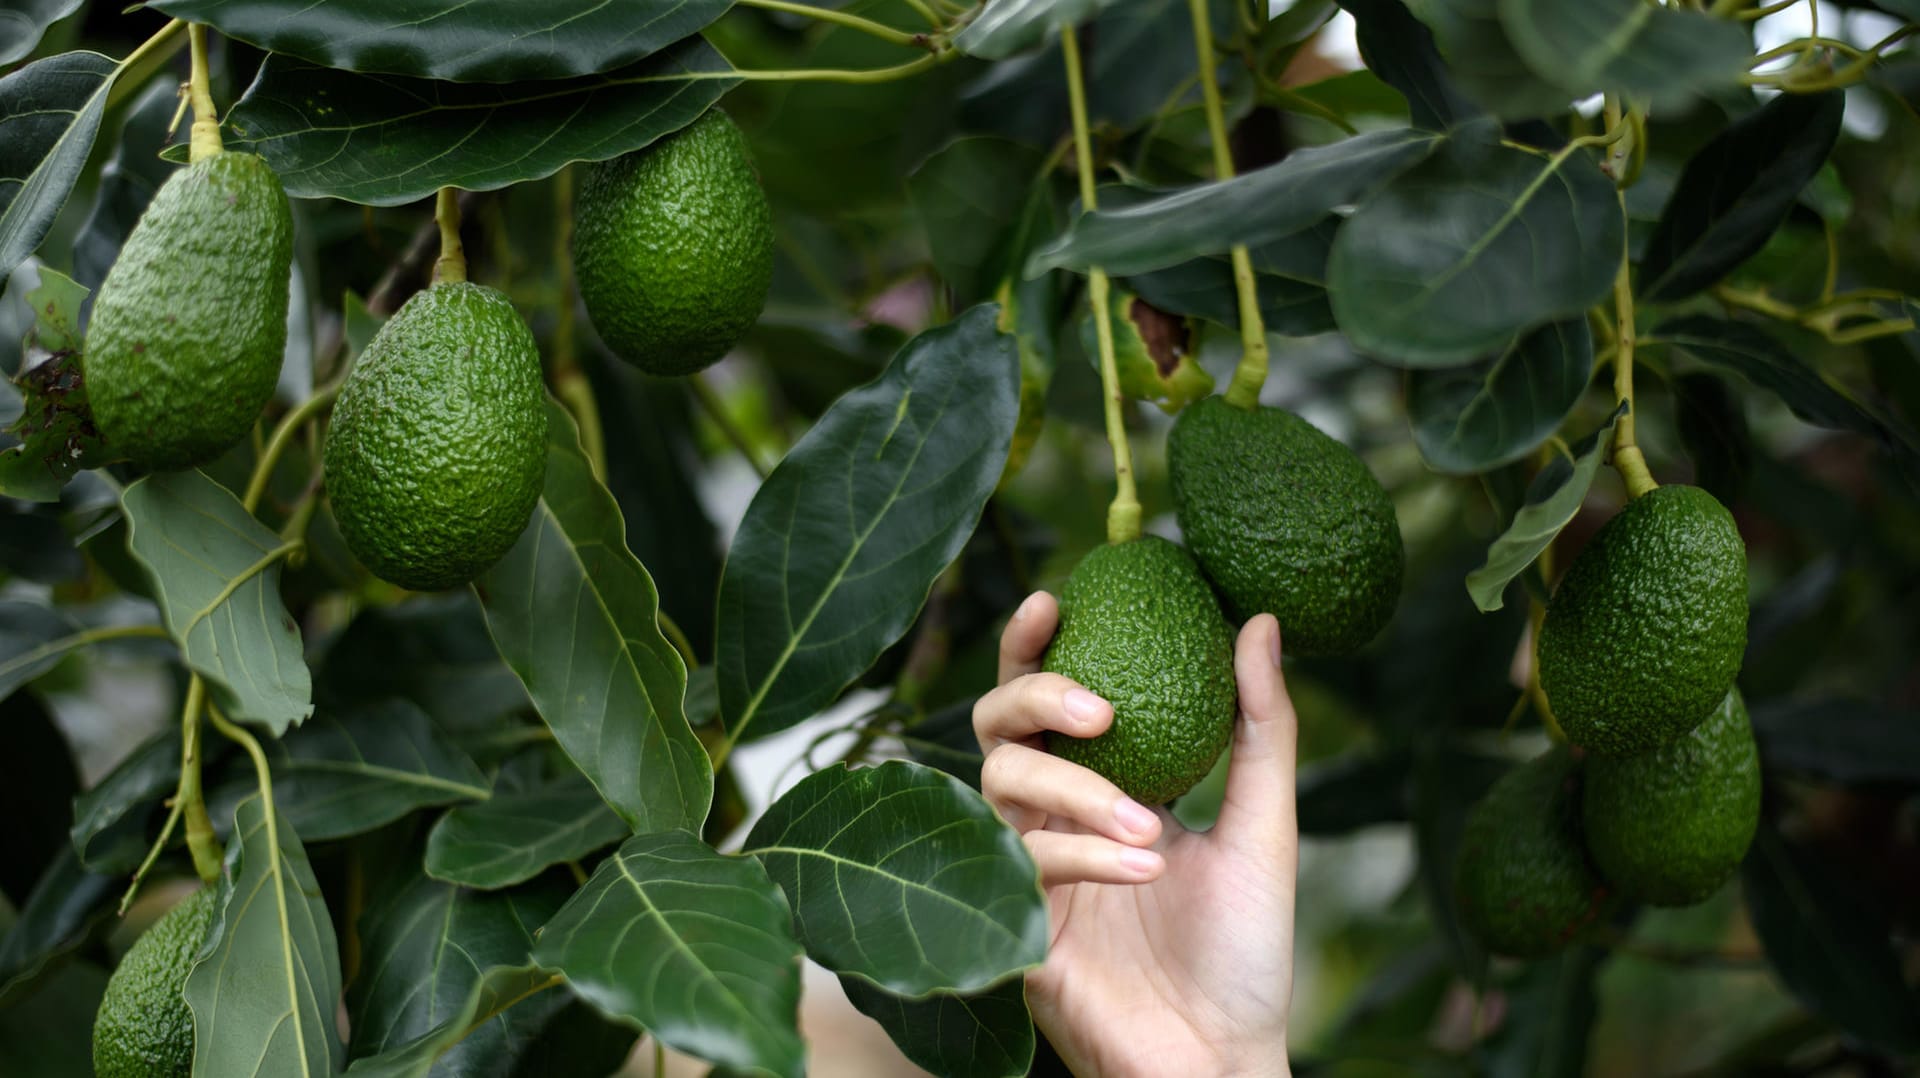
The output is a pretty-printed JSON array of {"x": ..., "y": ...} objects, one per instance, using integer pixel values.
[
  {"x": 1668, "y": 827},
  {"x": 437, "y": 450},
  {"x": 144, "y": 1028},
  {"x": 185, "y": 341},
  {"x": 673, "y": 247},
  {"x": 1286, "y": 521},
  {"x": 1139, "y": 628},
  {"x": 1522, "y": 879},
  {"x": 1646, "y": 630}
]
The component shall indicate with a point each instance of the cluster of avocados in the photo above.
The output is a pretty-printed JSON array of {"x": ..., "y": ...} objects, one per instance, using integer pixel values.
[
  {"x": 1279, "y": 519},
  {"x": 1637, "y": 656}
]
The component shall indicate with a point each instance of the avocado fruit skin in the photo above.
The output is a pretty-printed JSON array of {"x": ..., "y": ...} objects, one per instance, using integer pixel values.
[
  {"x": 186, "y": 337},
  {"x": 1669, "y": 826},
  {"x": 437, "y": 451},
  {"x": 144, "y": 1028},
  {"x": 1646, "y": 631},
  {"x": 1522, "y": 879},
  {"x": 1286, "y": 521},
  {"x": 1139, "y": 628},
  {"x": 673, "y": 247}
]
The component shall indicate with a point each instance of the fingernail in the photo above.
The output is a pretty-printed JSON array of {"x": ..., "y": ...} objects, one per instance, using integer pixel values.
[
  {"x": 1274, "y": 647},
  {"x": 1084, "y": 707},
  {"x": 1134, "y": 816},
  {"x": 1139, "y": 862}
]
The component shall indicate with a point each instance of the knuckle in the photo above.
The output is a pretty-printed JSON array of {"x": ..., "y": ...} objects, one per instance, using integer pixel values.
[{"x": 1000, "y": 770}]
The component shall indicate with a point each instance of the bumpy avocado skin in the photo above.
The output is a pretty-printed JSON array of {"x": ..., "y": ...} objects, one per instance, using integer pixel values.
[
  {"x": 188, "y": 330},
  {"x": 144, "y": 1028},
  {"x": 437, "y": 450},
  {"x": 1286, "y": 521},
  {"x": 673, "y": 247},
  {"x": 1645, "y": 633},
  {"x": 1139, "y": 628},
  {"x": 1522, "y": 879},
  {"x": 1670, "y": 826}
]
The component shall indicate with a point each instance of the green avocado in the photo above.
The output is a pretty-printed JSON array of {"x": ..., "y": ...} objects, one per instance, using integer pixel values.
[
  {"x": 673, "y": 247},
  {"x": 144, "y": 1028},
  {"x": 1139, "y": 628},
  {"x": 1286, "y": 521},
  {"x": 184, "y": 346},
  {"x": 1522, "y": 879},
  {"x": 1645, "y": 632},
  {"x": 1670, "y": 826},
  {"x": 437, "y": 450}
]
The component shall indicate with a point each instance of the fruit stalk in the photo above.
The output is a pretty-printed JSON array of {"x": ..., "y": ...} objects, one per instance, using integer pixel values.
[
  {"x": 1123, "y": 514},
  {"x": 452, "y": 263},
  {"x": 1251, "y": 374},
  {"x": 201, "y": 842},
  {"x": 204, "y": 136},
  {"x": 1627, "y": 458}
]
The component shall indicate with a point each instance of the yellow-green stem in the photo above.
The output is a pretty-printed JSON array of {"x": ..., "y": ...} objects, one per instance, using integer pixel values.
[
  {"x": 1627, "y": 458},
  {"x": 452, "y": 263},
  {"x": 283, "y": 434},
  {"x": 1536, "y": 617},
  {"x": 841, "y": 18},
  {"x": 1123, "y": 515},
  {"x": 1251, "y": 373},
  {"x": 143, "y": 62},
  {"x": 201, "y": 842},
  {"x": 204, "y": 137}
]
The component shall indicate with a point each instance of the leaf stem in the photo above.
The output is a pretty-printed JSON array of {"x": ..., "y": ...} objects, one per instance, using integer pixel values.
[
  {"x": 927, "y": 13},
  {"x": 716, "y": 410},
  {"x": 452, "y": 263},
  {"x": 204, "y": 136},
  {"x": 1123, "y": 515},
  {"x": 283, "y": 435},
  {"x": 149, "y": 57},
  {"x": 850, "y": 21},
  {"x": 226, "y": 591},
  {"x": 1251, "y": 373}
]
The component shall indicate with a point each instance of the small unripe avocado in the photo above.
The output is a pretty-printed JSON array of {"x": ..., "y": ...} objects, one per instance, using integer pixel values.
[
  {"x": 436, "y": 454},
  {"x": 673, "y": 247},
  {"x": 1670, "y": 826},
  {"x": 1286, "y": 521},
  {"x": 144, "y": 1028},
  {"x": 1522, "y": 879},
  {"x": 1139, "y": 628},
  {"x": 1646, "y": 631},
  {"x": 188, "y": 330}
]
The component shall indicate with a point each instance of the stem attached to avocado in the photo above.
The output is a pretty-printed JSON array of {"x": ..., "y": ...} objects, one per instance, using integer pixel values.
[
  {"x": 204, "y": 137},
  {"x": 200, "y": 839},
  {"x": 1627, "y": 458},
  {"x": 452, "y": 263},
  {"x": 1251, "y": 374},
  {"x": 1123, "y": 515}
]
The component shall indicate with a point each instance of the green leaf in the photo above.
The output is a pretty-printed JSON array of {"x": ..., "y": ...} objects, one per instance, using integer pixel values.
[
  {"x": 1401, "y": 51},
  {"x": 1010, "y": 26},
  {"x": 515, "y": 836},
  {"x": 55, "y": 427},
  {"x": 22, "y": 22},
  {"x": 49, "y": 114},
  {"x": 969, "y": 198},
  {"x": 901, "y": 875},
  {"x": 1551, "y": 1010},
  {"x": 1468, "y": 420},
  {"x": 1840, "y": 740},
  {"x": 576, "y": 616},
  {"x": 1828, "y": 941},
  {"x": 463, "y": 41},
  {"x": 343, "y": 774},
  {"x": 110, "y": 820},
  {"x": 127, "y": 181},
  {"x": 1290, "y": 280},
  {"x": 216, "y": 571},
  {"x": 1552, "y": 500},
  {"x": 693, "y": 945},
  {"x": 983, "y": 1035},
  {"x": 384, "y": 140},
  {"x": 1475, "y": 245},
  {"x": 1735, "y": 191},
  {"x": 842, "y": 542},
  {"x": 433, "y": 650},
  {"x": 1254, "y": 208},
  {"x": 38, "y": 781},
  {"x": 1661, "y": 55},
  {"x": 487, "y": 1002},
  {"x": 1713, "y": 427},
  {"x": 34, "y": 638},
  {"x": 267, "y": 981},
  {"x": 1484, "y": 61},
  {"x": 58, "y": 916},
  {"x": 50, "y": 1033}
]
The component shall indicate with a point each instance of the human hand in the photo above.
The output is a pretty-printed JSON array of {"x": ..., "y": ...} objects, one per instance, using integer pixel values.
[{"x": 1172, "y": 950}]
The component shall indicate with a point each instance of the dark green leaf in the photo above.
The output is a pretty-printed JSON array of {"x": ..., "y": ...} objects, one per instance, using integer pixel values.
[
  {"x": 576, "y": 616},
  {"x": 38, "y": 779},
  {"x": 1475, "y": 245},
  {"x": 903, "y": 876},
  {"x": 433, "y": 650},
  {"x": 983, "y": 1035},
  {"x": 1660, "y": 55},
  {"x": 34, "y": 546},
  {"x": 1736, "y": 190},
  {"x": 1828, "y": 941},
  {"x": 514, "y": 836},
  {"x": 463, "y": 41},
  {"x": 1468, "y": 420},
  {"x": 58, "y": 916},
  {"x": 1010, "y": 26},
  {"x": 1290, "y": 279},
  {"x": 1852, "y": 742},
  {"x": 49, "y": 114},
  {"x": 842, "y": 542},
  {"x": 33, "y": 639},
  {"x": 50, "y": 1033},
  {"x": 22, "y": 22},
  {"x": 384, "y": 140},
  {"x": 1484, "y": 61},
  {"x": 1360, "y": 789},
  {"x": 267, "y": 982},
  {"x": 969, "y": 199},
  {"x": 1550, "y": 1013},
  {"x": 1713, "y": 427},
  {"x": 110, "y": 819},
  {"x": 1255, "y": 208},
  {"x": 487, "y": 1003},
  {"x": 1401, "y": 51},
  {"x": 1553, "y": 499},
  {"x": 693, "y": 945},
  {"x": 127, "y": 182},
  {"x": 216, "y": 571}
]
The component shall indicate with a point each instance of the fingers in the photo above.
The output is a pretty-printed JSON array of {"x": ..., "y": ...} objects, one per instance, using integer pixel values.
[
  {"x": 1258, "y": 808},
  {"x": 1028, "y": 786},
  {"x": 1025, "y": 639},
  {"x": 1030, "y": 703},
  {"x": 1067, "y": 858}
]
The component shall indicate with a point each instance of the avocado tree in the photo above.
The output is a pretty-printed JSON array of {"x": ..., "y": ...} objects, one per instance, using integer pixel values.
[{"x": 506, "y": 508}]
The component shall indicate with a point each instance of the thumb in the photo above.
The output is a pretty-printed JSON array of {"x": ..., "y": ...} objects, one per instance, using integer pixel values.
[{"x": 1257, "y": 812}]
